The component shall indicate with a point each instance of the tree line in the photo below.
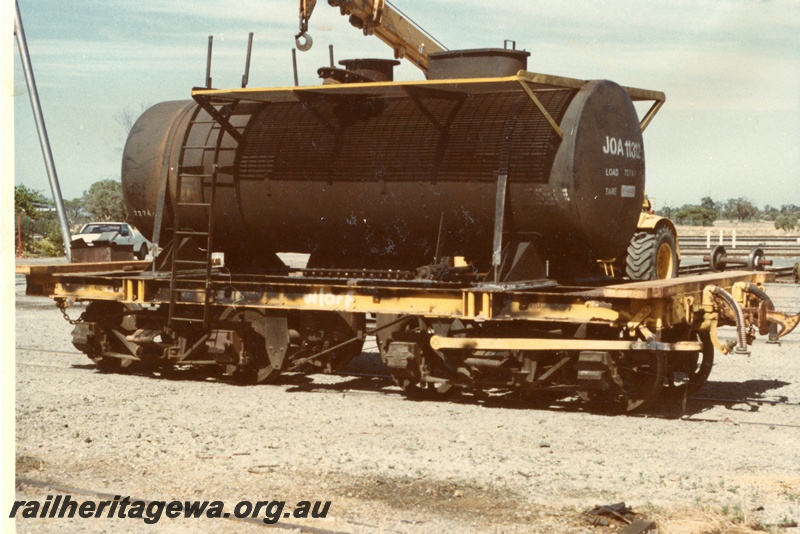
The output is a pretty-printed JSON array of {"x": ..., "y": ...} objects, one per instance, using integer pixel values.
[
  {"x": 740, "y": 209},
  {"x": 36, "y": 221}
]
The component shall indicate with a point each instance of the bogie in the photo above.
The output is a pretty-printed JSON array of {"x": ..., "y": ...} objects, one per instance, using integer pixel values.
[
  {"x": 621, "y": 381},
  {"x": 246, "y": 345}
]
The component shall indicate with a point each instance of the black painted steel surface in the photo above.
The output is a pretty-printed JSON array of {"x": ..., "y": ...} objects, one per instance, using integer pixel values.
[{"x": 365, "y": 182}]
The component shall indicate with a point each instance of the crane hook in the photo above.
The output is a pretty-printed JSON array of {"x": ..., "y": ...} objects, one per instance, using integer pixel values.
[{"x": 303, "y": 41}]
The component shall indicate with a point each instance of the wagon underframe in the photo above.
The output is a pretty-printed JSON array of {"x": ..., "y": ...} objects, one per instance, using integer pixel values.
[{"x": 619, "y": 342}]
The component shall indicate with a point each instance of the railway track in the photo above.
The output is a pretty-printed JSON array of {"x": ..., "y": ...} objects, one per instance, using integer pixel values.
[
  {"x": 781, "y": 273},
  {"x": 779, "y": 247},
  {"x": 745, "y": 240}
]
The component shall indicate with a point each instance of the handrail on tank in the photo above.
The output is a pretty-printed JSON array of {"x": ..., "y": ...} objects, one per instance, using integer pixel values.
[
  {"x": 530, "y": 82},
  {"x": 638, "y": 95},
  {"x": 536, "y": 81},
  {"x": 541, "y": 108},
  {"x": 651, "y": 113}
]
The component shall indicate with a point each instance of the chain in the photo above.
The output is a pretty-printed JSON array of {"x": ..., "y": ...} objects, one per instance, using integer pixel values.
[{"x": 62, "y": 305}]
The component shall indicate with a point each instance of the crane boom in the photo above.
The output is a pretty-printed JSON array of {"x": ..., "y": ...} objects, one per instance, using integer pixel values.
[{"x": 375, "y": 17}]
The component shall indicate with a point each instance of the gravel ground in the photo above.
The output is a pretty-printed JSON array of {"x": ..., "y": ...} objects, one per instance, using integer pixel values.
[{"x": 395, "y": 465}]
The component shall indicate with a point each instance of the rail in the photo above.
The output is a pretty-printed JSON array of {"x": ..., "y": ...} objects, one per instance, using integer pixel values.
[{"x": 786, "y": 247}]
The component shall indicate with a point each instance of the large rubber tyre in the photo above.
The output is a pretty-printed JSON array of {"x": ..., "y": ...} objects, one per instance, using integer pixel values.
[
  {"x": 142, "y": 254},
  {"x": 652, "y": 255}
]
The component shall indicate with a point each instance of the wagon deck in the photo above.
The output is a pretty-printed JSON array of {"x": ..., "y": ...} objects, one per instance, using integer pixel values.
[{"x": 381, "y": 293}]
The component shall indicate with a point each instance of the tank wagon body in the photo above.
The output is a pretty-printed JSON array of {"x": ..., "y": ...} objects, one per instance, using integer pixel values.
[
  {"x": 466, "y": 216},
  {"x": 364, "y": 181}
]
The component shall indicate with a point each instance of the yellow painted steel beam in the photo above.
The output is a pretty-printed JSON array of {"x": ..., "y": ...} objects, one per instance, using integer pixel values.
[
  {"x": 645, "y": 122},
  {"x": 438, "y": 343},
  {"x": 671, "y": 301},
  {"x": 590, "y": 311},
  {"x": 537, "y": 82},
  {"x": 441, "y": 302},
  {"x": 638, "y": 94},
  {"x": 93, "y": 267},
  {"x": 40, "y": 280},
  {"x": 658, "y": 289},
  {"x": 542, "y": 109},
  {"x": 326, "y": 299},
  {"x": 90, "y": 291},
  {"x": 308, "y": 297},
  {"x": 549, "y": 81},
  {"x": 530, "y": 82}
]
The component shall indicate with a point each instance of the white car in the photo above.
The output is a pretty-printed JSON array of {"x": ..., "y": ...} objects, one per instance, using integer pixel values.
[{"x": 119, "y": 233}]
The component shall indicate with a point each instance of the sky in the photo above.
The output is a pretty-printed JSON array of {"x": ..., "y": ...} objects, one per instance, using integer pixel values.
[{"x": 730, "y": 69}]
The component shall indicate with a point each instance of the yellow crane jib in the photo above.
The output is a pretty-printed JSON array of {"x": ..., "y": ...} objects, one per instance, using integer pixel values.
[{"x": 375, "y": 17}]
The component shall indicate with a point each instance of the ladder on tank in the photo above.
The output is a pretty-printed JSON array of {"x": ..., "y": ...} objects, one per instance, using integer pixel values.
[{"x": 187, "y": 268}]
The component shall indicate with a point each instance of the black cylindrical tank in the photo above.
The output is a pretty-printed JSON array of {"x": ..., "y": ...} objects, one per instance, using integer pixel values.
[{"x": 364, "y": 181}]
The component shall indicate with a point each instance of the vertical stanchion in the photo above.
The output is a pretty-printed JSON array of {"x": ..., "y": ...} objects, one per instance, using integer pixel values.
[
  {"x": 499, "y": 218},
  {"x": 208, "y": 62},
  {"x": 294, "y": 67},
  {"x": 246, "y": 76}
]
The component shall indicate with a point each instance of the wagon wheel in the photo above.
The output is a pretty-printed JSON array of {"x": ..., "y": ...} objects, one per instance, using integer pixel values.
[
  {"x": 440, "y": 390},
  {"x": 433, "y": 365},
  {"x": 413, "y": 329},
  {"x": 338, "y": 328},
  {"x": 109, "y": 316},
  {"x": 642, "y": 375},
  {"x": 695, "y": 365},
  {"x": 109, "y": 364},
  {"x": 252, "y": 326},
  {"x": 429, "y": 390},
  {"x": 449, "y": 363},
  {"x": 638, "y": 379}
]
